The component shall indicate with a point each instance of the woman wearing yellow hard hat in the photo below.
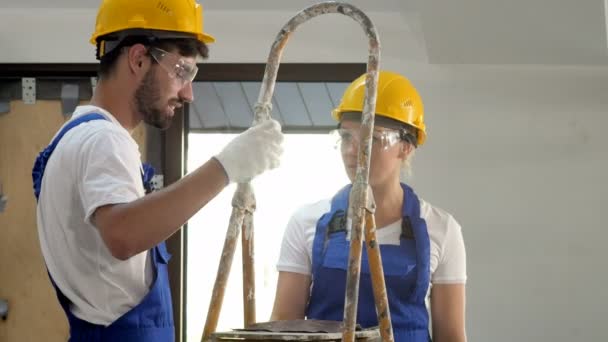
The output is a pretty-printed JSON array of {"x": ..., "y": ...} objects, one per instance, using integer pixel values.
[
  {"x": 101, "y": 238},
  {"x": 422, "y": 248}
]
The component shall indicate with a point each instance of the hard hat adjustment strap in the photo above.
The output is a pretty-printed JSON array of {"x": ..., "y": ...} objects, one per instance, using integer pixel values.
[{"x": 109, "y": 42}]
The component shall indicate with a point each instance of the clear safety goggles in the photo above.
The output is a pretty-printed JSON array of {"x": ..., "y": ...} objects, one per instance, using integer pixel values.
[
  {"x": 175, "y": 65},
  {"x": 382, "y": 139}
]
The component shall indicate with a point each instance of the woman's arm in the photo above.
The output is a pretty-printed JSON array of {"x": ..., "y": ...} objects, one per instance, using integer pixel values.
[
  {"x": 293, "y": 290},
  {"x": 448, "y": 312}
]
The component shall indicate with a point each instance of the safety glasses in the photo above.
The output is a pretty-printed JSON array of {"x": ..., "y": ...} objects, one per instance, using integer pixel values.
[
  {"x": 174, "y": 65},
  {"x": 382, "y": 139}
]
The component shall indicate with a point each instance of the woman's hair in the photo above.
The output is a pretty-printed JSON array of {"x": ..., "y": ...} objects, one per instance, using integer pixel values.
[{"x": 406, "y": 165}]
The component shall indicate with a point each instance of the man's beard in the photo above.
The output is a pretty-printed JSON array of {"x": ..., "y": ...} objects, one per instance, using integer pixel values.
[{"x": 146, "y": 98}]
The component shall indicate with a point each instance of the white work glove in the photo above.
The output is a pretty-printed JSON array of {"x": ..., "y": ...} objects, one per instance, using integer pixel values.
[{"x": 252, "y": 152}]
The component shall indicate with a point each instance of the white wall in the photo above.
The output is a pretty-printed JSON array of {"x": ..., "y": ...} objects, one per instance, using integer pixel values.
[
  {"x": 517, "y": 154},
  {"x": 62, "y": 35},
  {"x": 520, "y": 157}
]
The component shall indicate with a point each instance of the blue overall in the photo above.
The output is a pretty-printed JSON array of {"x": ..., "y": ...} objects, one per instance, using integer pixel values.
[
  {"x": 406, "y": 271},
  {"x": 152, "y": 319}
]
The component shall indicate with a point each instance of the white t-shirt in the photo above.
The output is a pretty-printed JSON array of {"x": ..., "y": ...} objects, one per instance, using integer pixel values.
[
  {"x": 95, "y": 164},
  {"x": 448, "y": 257}
]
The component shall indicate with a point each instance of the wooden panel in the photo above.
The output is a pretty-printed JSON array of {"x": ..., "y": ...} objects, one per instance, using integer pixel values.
[{"x": 34, "y": 312}]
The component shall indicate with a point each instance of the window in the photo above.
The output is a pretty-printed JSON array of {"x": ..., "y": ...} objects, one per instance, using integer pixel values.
[{"x": 311, "y": 170}]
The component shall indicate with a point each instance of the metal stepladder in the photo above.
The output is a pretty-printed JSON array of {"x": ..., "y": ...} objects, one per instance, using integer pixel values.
[{"x": 361, "y": 208}]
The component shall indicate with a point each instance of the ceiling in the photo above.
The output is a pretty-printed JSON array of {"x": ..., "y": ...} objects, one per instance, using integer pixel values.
[
  {"x": 537, "y": 32},
  {"x": 296, "y": 105}
]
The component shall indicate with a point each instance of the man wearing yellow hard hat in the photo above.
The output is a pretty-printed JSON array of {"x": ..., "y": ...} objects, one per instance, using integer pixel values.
[
  {"x": 422, "y": 248},
  {"x": 101, "y": 238}
]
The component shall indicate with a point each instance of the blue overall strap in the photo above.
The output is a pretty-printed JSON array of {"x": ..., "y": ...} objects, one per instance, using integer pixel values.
[
  {"x": 336, "y": 205},
  {"x": 43, "y": 157},
  {"x": 422, "y": 241},
  {"x": 146, "y": 177}
]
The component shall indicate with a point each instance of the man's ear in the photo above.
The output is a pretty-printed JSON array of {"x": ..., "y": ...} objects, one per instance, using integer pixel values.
[{"x": 137, "y": 58}]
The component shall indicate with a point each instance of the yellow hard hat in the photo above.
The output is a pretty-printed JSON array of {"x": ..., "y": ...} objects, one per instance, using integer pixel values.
[
  {"x": 396, "y": 99},
  {"x": 175, "y": 16}
]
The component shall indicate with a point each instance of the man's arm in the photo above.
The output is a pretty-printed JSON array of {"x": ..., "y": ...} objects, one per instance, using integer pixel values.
[{"x": 131, "y": 228}]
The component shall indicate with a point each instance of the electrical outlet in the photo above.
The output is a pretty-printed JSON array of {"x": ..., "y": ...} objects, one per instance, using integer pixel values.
[
  {"x": 3, "y": 201},
  {"x": 3, "y": 309}
]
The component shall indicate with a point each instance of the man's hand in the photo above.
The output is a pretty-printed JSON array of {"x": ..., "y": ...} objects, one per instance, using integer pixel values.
[{"x": 252, "y": 152}]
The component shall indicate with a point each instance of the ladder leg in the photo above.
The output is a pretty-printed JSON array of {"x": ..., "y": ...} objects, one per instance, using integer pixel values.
[
  {"x": 377, "y": 274},
  {"x": 223, "y": 271},
  {"x": 352, "y": 277},
  {"x": 247, "y": 239}
]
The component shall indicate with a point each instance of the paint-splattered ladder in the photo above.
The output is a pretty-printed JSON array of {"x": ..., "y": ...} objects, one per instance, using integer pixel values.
[{"x": 361, "y": 207}]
